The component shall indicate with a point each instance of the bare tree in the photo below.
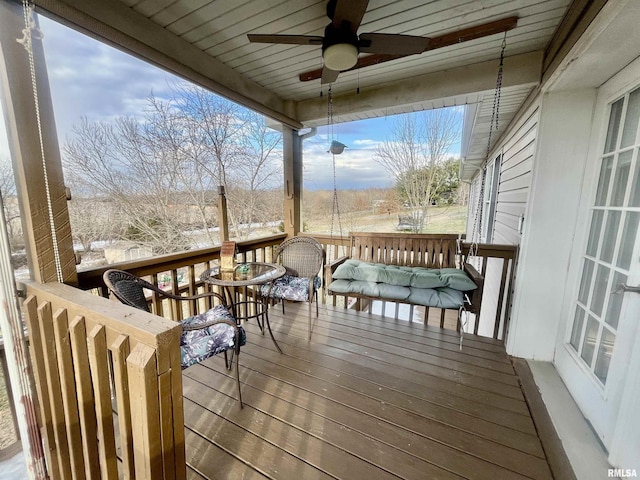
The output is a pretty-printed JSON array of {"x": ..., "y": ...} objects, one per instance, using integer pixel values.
[
  {"x": 10, "y": 203},
  {"x": 94, "y": 219},
  {"x": 161, "y": 171},
  {"x": 412, "y": 154},
  {"x": 228, "y": 146},
  {"x": 254, "y": 174},
  {"x": 120, "y": 163}
]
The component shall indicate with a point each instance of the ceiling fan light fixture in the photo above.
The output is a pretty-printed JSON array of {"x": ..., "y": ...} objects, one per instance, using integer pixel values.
[{"x": 340, "y": 56}]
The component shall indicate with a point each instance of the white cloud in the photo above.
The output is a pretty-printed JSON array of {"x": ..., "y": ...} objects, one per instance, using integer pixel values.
[
  {"x": 365, "y": 142},
  {"x": 88, "y": 78},
  {"x": 354, "y": 169}
]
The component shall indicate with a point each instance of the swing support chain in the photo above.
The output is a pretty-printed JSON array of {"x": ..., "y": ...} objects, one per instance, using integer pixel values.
[
  {"x": 336, "y": 207},
  {"x": 476, "y": 231}
]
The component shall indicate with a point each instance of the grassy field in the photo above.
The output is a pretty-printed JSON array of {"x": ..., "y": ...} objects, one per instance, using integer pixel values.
[{"x": 447, "y": 219}]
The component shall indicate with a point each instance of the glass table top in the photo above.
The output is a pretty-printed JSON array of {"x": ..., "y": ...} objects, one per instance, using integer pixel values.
[{"x": 251, "y": 273}]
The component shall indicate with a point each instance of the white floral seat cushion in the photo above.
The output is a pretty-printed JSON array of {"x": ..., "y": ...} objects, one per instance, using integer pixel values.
[
  {"x": 198, "y": 345},
  {"x": 290, "y": 287}
]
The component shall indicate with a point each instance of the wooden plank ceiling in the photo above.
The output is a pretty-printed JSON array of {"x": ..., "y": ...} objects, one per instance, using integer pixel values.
[
  {"x": 206, "y": 40},
  {"x": 220, "y": 28}
]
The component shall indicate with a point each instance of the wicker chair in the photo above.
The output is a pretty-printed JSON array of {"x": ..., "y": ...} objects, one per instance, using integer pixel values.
[
  {"x": 204, "y": 335},
  {"x": 303, "y": 258}
]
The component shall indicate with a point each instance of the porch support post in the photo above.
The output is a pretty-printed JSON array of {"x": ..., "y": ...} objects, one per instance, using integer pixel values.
[
  {"x": 292, "y": 146},
  {"x": 22, "y": 130},
  {"x": 223, "y": 217}
]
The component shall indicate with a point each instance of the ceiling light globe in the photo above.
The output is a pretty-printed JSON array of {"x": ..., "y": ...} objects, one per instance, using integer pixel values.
[{"x": 340, "y": 57}]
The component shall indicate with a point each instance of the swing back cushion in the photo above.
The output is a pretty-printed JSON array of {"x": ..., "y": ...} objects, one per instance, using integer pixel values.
[
  {"x": 442, "y": 288},
  {"x": 418, "y": 269}
]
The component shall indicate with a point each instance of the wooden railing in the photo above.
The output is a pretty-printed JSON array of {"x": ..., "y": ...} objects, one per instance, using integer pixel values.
[
  {"x": 180, "y": 272},
  {"x": 108, "y": 377},
  {"x": 498, "y": 266},
  {"x": 334, "y": 246},
  {"x": 109, "y": 384}
]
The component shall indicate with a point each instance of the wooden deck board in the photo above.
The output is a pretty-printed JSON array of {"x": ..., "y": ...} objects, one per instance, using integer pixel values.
[
  {"x": 449, "y": 381},
  {"x": 510, "y": 412},
  {"x": 347, "y": 405},
  {"x": 387, "y": 348},
  {"x": 375, "y": 392},
  {"x": 450, "y": 358}
]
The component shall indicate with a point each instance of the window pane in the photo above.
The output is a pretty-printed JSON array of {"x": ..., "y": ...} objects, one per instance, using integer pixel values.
[
  {"x": 600, "y": 290},
  {"x": 586, "y": 281},
  {"x": 629, "y": 234},
  {"x": 594, "y": 233},
  {"x": 621, "y": 179},
  {"x": 589, "y": 342},
  {"x": 603, "y": 182},
  {"x": 604, "y": 355},
  {"x": 614, "y": 126},
  {"x": 634, "y": 199},
  {"x": 631, "y": 120},
  {"x": 610, "y": 235},
  {"x": 576, "y": 331},
  {"x": 615, "y": 301}
]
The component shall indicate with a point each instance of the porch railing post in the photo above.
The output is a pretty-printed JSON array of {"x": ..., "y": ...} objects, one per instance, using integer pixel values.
[
  {"x": 223, "y": 216},
  {"x": 292, "y": 152},
  {"x": 35, "y": 154}
]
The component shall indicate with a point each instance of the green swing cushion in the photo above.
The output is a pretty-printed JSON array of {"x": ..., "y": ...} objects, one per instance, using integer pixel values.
[{"x": 442, "y": 288}]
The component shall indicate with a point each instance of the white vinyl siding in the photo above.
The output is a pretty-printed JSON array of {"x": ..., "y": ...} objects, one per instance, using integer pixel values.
[
  {"x": 518, "y": 149},
  {"x": 515, "y": 179}
]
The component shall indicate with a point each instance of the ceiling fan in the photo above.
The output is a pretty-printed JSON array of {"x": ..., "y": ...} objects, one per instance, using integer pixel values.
[{"x": 341, "y": 44}]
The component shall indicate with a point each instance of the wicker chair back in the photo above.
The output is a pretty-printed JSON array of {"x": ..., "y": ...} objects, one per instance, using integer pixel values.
[
  {"x": 128, "y": 288},
  {"x": 301, "y": 256}
]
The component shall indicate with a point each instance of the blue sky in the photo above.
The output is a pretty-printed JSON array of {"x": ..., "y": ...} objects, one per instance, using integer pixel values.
[{"x": 94, "y": 80}]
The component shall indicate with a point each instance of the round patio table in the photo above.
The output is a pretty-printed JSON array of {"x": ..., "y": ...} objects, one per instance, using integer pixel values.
[{"x": 244, "y": 275}]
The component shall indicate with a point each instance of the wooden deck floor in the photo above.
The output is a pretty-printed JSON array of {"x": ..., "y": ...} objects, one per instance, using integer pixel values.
[{"x": 368, "y": 398}]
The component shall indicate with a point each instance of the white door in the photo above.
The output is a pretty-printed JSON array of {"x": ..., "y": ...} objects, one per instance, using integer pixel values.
[{"x": 601, "y": 337}]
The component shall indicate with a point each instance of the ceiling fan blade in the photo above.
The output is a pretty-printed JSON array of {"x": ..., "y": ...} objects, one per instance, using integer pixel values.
[
  {"x": 445, "y": 40},
  {"x": 472, "y": 33},
  {"x": 392, "y": 44},
  {"x": 350, "y": 11},
  {"x": 328, "y": 75},
  {"x": 285, "y": 39}
]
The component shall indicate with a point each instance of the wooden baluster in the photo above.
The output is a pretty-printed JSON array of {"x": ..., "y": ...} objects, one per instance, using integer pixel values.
[
  {"x": 100, "y": 378},
  {"x": 68, "y": 387},
  {"x": 45, "y": 319},
  {"x": 86, "y": 408}
]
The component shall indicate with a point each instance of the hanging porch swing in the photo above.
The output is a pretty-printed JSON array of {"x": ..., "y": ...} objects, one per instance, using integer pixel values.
[{"x": 414, "y": 269}]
